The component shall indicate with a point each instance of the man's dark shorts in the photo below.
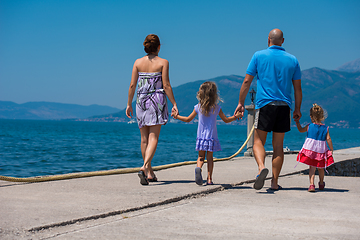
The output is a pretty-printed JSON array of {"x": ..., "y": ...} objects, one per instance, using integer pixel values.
[{"x": 273, "y": 118}]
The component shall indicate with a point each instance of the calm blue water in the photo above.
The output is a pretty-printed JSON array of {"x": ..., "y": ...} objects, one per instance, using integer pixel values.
[{"x": 34, "y": 148}]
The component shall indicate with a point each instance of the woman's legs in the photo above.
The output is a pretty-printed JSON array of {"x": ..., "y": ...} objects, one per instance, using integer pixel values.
[
  {"x": 149, "y": 141},
  {"x": 210, "y": 165},
  {"x": 144, "y": 132}
]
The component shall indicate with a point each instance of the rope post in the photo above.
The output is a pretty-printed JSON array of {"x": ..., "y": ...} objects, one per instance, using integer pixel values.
[{"x": 250, "y": 122}]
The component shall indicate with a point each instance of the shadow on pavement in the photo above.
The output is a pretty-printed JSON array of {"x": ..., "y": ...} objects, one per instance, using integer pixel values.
[{"x": 305, "y": 189}]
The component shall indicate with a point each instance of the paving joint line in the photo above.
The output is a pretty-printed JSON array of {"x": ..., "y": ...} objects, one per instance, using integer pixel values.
[
  {"x": 119, "y": 212},
  {"x": 203, "y": 193}
]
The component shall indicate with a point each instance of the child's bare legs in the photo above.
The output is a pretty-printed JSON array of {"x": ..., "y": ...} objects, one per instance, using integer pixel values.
[
  {"x": 312, "y": 174},
  {"x": 321, "y": 175},
  {"x": 210, "y": 165},
  {"x": 201, "y": 159},
  {"x": 199, "y": 164}
]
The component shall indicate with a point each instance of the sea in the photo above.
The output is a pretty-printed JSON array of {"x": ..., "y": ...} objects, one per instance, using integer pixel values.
[{"x": 31, "y": 148}]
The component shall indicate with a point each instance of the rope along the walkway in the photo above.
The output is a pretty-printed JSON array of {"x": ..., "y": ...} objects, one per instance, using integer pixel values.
[{"x": 114, "y": 171}]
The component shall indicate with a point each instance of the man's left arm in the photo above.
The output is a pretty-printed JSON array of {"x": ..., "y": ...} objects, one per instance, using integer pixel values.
[{"x": 298, "y": 99}]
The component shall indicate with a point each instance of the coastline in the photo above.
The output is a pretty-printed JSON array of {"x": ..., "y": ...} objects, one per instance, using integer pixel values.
[{"x": 41, "y": 148}]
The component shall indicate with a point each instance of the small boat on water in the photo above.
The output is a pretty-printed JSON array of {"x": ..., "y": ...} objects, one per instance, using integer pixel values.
[{"x": 132, "y": 121}]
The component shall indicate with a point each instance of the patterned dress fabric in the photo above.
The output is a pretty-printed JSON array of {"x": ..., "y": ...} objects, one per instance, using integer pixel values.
[
  {"x": 315, "y": 151},
  {"x": 151, "y": 102},
  {"x": 207, "y": 137}
]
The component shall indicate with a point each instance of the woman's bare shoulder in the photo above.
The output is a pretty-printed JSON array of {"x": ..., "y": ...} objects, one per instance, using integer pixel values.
[
  {"x": 139, "y": 60},
  {"x": 162, "y": 60}
]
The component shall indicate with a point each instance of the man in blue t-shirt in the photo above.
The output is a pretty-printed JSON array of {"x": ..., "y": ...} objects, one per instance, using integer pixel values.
[{"x": 277, "y": 72}]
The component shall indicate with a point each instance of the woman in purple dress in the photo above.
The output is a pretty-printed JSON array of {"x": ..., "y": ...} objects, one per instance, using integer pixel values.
[{"x": 151, "y": 75}]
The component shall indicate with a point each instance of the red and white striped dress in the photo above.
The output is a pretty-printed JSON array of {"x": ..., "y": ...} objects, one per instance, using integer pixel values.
[{"x": 315, "y": 151}]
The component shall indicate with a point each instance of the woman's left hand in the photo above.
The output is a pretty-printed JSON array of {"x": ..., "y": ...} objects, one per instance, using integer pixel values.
[{"x": 129, "y": 111}]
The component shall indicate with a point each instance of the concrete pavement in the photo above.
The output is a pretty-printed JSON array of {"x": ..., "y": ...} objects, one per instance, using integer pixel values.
[{"x": 118, "y": 207}]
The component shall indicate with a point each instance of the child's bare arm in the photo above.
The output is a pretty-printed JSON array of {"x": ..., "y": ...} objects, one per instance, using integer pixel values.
[
  {"x": 301, "y": 129},
  {"x": 329, "y": 142},
  {"x": 188, "y": 118},
  {"x": 228, "y": 119}
]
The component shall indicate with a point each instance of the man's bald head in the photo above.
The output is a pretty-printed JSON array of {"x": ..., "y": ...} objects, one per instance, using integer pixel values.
[{"x": 276, "y": 37}]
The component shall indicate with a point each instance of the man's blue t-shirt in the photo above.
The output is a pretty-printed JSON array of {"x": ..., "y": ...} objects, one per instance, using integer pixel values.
[{"x": 275, "y": 70}]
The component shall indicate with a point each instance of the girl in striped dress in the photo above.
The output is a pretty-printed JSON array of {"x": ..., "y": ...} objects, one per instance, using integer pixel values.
[{"x": 315, "y": 152}]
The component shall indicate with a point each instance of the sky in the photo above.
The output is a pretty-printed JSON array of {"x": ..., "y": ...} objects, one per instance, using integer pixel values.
[{"x": 82, "y": 52}]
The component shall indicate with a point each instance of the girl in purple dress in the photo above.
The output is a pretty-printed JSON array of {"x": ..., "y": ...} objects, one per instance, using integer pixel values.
[
  {"x": 315, "y": 152},
  {"x": 151, "y": 75},
  {"x": 207, "y": 140}
]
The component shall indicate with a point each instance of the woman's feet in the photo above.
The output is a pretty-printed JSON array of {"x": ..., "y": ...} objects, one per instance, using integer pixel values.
[
  {"x": 153, "y": 178},
  {"x": 143, "y": 178},
  {"x": 321, "y": 186},
  {"x": 146, "y": 176}
]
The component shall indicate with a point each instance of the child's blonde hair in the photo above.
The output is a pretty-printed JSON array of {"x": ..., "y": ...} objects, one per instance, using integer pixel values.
[
  {"x": 208, "y": 97},
  {"x": 317, "y": 113}
]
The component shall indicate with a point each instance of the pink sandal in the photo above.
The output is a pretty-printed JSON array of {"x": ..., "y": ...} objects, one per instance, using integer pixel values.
[{"x": 311, "y": 188}]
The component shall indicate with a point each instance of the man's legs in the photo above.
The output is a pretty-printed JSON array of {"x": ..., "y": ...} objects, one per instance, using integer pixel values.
[
  {"x": 259, "y": 149},
  {"x": 260, "y": 154},
  {"x": 278, "y": 158}
]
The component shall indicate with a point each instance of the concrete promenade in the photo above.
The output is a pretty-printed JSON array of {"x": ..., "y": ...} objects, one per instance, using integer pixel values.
[{"x": 118, "y": 207}]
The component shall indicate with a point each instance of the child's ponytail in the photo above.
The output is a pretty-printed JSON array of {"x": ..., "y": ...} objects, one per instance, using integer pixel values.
[{"x": 317, "y": 113}]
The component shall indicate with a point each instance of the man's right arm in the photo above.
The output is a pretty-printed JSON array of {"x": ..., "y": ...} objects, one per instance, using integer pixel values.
[{"x": 243, "y": 92}]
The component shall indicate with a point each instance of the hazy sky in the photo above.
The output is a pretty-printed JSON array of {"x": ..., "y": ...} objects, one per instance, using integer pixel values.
[{"x": 82, "y": 52}]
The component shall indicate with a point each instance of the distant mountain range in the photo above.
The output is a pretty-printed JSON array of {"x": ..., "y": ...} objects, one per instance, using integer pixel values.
[
  {"x": 338, "y": 91},
  {"x": 353, "y": 66},
  {"x": 50, "y": 111}
]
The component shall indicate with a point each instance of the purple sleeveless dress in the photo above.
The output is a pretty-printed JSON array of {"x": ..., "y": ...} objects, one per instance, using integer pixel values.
[
  {"x": 207, "y": 137},
  {"x": 151, "y": 102}
]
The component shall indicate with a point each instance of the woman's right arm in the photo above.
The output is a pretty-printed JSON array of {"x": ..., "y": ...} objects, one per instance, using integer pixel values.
[
  {"x": 168, "y": 89},
  {"x": 134, "y": 77},
  {"x": 188, "y": 118}
]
